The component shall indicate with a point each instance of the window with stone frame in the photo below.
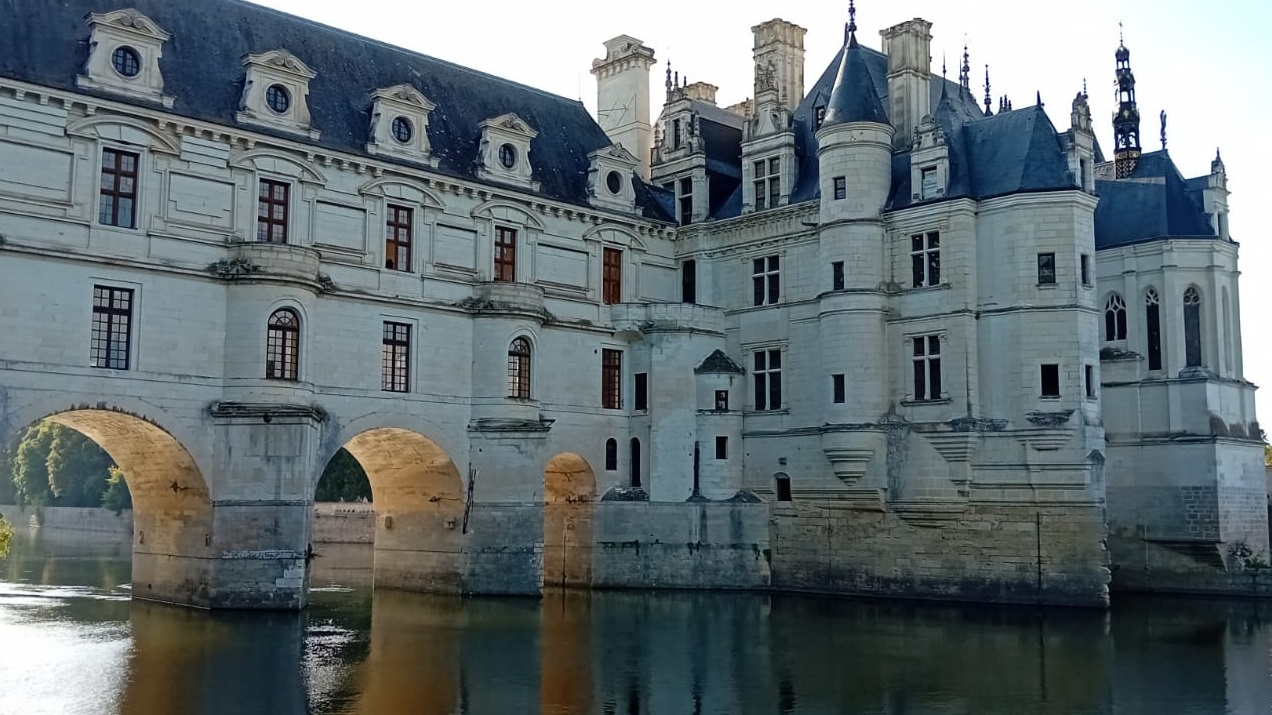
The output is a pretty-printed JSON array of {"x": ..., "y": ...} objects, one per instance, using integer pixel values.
[
  {"x": 1049, "y": 380},
  {"x": 689, "y": 282},
  {"x": 611, "y": 379},
  {"x": 111, "y": 343},
  {"x": 1084, "y": 262},
  {"x": 684, "y": 199},
  {"x": 840, "y": 188},
  {"x": 1192, "y": 327},
  {"x": 837, "y": 275},
  {"x": 611, "y": 455},
  {"x": 925, "y": 259},
  {"x": 117, "y": 204},
  {"x": 505, "y": 254},
  {"x": 1114, "y": 319},
  {"x": 838, "y": 389},
  {"x": 519, "y": 355},
  {"x": 395, "y": 358},
  {"x": 768, "y": 183},
  {"x": 640, "y": 391},
  {"x": 929, "y": 183},
  {"x": 398, "y": 228},
  {"x": 1046, "y": 269},
  {"x": 721, "y": 447},
  {"x": 1153, "y": 328},
  {"x": 766, "y": 280},
  {"x": 1088, "y": 379},
  {"x": 612, "y": 275},
  {"x": 926, "y": 359},
  {"x": 767, "y": 374},
  {"x": 282, "y": 345},
  {"x": 271, "y": 211}
]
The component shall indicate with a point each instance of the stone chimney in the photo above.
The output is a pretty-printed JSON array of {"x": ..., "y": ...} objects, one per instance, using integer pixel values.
[
  {"x": 779, "y": 54},
  {"x": 909, "y": 50},
  {"x": 622, "y": 97},
  {"x": 702, "y": 92}
]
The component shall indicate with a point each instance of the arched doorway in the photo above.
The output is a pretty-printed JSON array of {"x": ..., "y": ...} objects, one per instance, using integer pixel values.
[
  {"x": 418, "y": 509},
  {"x": 173, "y": 544},
  {"x": 569, "y": 491}
]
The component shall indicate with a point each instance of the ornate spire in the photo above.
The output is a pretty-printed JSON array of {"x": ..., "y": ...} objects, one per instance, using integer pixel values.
[
  {"x": 965, "y": 74},
  {"x": 1126, "y": 121},
  {"x": 987, "y": 99},
  {"x": 669, "y": 84},
  {"x": 850, "y": 30},
  {"x": 1163, "y": 118}
]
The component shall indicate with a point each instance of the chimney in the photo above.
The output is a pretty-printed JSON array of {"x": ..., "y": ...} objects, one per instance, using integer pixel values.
[
  {"x": 779, "y": 54},
  {"x": 702, "y": 92},
  {"x": 909, "y": 50},
  {"x": 622, "y": 97}
]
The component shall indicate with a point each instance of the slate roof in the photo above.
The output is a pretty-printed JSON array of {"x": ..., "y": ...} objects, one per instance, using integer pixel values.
[
  {"x": 1154, "y": 202},
  {"x": 853, "y": 97},
  {"x": 202, "y": 67},
  {"x": 717, "y": 363}
]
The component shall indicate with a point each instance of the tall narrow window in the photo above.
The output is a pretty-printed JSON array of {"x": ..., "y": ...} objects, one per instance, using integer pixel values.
[
  {"x": 927, "y": 367},
  {"x": 768, "y": 380},
  {"x": 395, "y": 358},
  {"x": 397, "y": 241},
  {"x": 841, "y": 188},
  {"x": 925, "y": 258},
  {"x": 1114, "y": 318},
  {"x": 612, "y": 275},
  {"x": 676, "y": 134},
  {"x": 722, "y": 447},
  {"x": 1088, "y": 378},
  {"x": 282, "y": 345},
  {"x": 1192, "y": 327},
  {"x": 635, "y": 462},
  {"x": 1153, "y": 328},
  {"x": 505, "y": 255},
  {"x": 689, "y": 282},
  {"x": 118, "y": 198},
  {"x": 1046, "y": 268},
  {"x": 837, "y": 275},
  {"x": 1049, "y": 377},
  {"x": 768, "y": 183},
  {"x": 928, "y": 182},
  {"x": 765, "y": 281},
  {"x": 112, "y": 327},
  {"x": 1085, "y": 264},
  {"x": 611, "y": 455},
  {"x": 519, "y": 369},
  {"x": 783, "y": 483},
  {"x": 640, "y": 395},
  {"x": 686, "y": 201},
  {"x": 722, "y": 400},
  {"x": 611, "y": 379},
  {"x": 838, "y": 390},
  {"x": 271, "y": 211}
]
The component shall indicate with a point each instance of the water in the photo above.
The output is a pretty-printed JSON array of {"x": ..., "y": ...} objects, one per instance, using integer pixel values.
[{"x": 72, "y": 642}]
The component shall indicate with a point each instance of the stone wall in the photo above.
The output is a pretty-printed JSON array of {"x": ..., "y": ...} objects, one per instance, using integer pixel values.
[
  {"x": 343, "y": 524},
  {"x": 97, "y": 521}
]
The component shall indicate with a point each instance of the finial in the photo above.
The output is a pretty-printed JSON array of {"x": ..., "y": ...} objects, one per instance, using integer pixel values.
[
  {"x": 987, "y": 98},
  {"x": 944, "y": 71},
  {"x": 1163, "y": 117},
  {"x": 965, "y": 75},
  {"x": 669, "y": 85},
  {"x": 1217, "y": 157},
  {"x": 1120, "y": 39},
  {"x": 1040, "y": 98},
  {"x": 850, "y": 30},
  {"x": 1084, "y": 89}
]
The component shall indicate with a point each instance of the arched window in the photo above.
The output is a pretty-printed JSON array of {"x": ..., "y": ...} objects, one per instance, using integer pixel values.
[
  {"x": 519, "y": 369},
  {"x": 282, "y": 345},
  {"x": 1115, "y": 319},
  {"x": 1153, "y": 329},
  {"x": 611, "y": 455},
  {"x": 635, "y": 462},
  {"x": 1192, "y": 327}
]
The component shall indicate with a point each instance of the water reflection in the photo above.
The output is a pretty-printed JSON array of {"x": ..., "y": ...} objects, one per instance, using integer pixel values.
[{"x": 73, "y": 643}]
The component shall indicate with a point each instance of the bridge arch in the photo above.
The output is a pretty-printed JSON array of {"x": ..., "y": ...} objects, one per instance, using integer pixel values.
[{"x": 569, "y": 494}]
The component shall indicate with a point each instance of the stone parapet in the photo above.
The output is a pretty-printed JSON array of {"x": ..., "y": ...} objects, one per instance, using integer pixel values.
[{"x": 667, "y": 317}]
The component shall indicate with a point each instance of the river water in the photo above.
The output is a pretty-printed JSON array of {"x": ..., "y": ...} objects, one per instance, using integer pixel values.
[{"x": 72, "y": 642}]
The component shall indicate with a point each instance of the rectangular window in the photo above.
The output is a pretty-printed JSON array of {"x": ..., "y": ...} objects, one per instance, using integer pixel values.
[
  {"x": 837, "y": 275},
  {"x": 675, "y": 134},
  {"x": 686, "y": 201},
  {"x": 397, "y": 239},
  {"x": 1046, "y": 268},
  {"x": 722, "y": 447},
  {"x": 768, "y": 380},
  {"x": 640, "y": 395},
  {"x": 838, "y": 391},
  {"x": 1089, "y": 375},
  {"x": 819, "y": 116},
  {"x": 764, "y": 280},
  {"x": 927, "y": 367},
  {"x": 505, "y": 255},
  {"x": 841, "y": 188},
  {"x": 395, "y": 358},
  {"x": 112, "y": 327},
  {"x": 118, "y": 204},
  {"x": 271, "y": 211},
  {"x": 925, "y": 258},
  {"x": 1050, "y": 378},
  {"x": 929, "y": 182},
  {"x": 1086, "y": 269},
  {"x": 612, "y": 276},
  {"x": 768, "y": 183},
  {"x": 689, "y": 282},
  {"x": 722, "y": 400},
  {"x": 612, "y": 379}
]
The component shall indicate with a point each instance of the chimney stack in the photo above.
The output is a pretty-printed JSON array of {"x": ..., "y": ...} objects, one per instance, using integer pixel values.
[
  {"x": 622, "y": 97},
  {"x": 909, "y": 50},
  {"x": 779, "y": 53}
]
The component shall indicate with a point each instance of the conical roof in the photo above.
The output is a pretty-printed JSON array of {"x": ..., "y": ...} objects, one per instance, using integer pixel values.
[{"x": 853, "y": 97}]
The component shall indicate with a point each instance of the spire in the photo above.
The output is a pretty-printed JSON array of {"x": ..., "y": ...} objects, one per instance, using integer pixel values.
[
  {"x": 987, "y": 99},
  {"x": 853, "y": 97},
  {"x": 850, "y": 30},
  {"x": 1126, "y": 121},
  {"x": 1163, "y": 118},
  {"x": 669, "y": 84},
  {"x": 965, "y": 74},
  {"x": 1039, "y": 101}
]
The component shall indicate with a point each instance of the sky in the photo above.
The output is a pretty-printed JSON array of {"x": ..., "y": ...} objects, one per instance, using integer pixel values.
[{"x": 1206, "y": 64}]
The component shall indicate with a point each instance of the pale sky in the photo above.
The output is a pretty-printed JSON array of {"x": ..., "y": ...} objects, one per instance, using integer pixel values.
[{"x": 1206, "y": 64}]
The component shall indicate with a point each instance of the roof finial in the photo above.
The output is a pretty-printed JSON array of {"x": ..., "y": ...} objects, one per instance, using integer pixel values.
[
  {"x": 669, "y": 85},
  {"x": 1084, "y": 89},
  {"x": 1040, "y": 98},
  {"x": 944, "y": 70},
  {"x": 1121, "y": 40},
  {"x": 1163, "y": 116},
  {"x": 987, "y": 98},
  {"x": 850, "y": 30},
  {"x": 965, "y": 74}
]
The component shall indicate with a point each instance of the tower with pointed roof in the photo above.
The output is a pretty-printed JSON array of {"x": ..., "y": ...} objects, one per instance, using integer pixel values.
[{"x": 1126, "y": 119}]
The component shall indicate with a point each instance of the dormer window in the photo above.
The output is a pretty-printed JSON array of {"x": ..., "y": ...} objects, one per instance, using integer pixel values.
[
  {"x": 399, "y": 124},
  {"x": 609, "y": 182},
  {"x": 123, "y": 56},
  {"x": 505, "y": 151},
  {"x": 276, "y": 93},
  {"x": 929, "y": 182},
  {"x": 402, "y": 130}
]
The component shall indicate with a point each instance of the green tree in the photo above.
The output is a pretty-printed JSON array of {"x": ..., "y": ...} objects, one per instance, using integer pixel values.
[
  {"x": 31, "y": 466},
  {"x": 8, "y": 495},
  {"x": 78, "y": 468},
  {"x": 117, "y": 498},
  {"x": 343, "y": 480},
  {"x": 6, "y": 533},
  {"x": 1267, "y": 455}
]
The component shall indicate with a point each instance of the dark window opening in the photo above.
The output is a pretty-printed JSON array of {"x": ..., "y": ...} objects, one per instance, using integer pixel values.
[
  {"x": 925, "y": 259},
  {"x": 640, "y": 395},
  {"x": 768, "y": 380},
  {"x": 686, "y": 201},
  {"x": 1114, "y": 318},
  {"x": 395, "y": 358},
  {"x": 611, "y": 379},
  {"x": 278, "y": 98},
  {"x": 783, "y": 488},
  {"x": 118, "y": 193},
  {"x": 519, "y": 354},
  {"x": 841, "y": 188},
  {"x": 505, "y": 255},
  {"x": 1153, "y": 325},
  {"x": 402, "y": 129},
  {"x": 837, "y": 275},
  {"x": 1085, "y": 268},
  {"x": 1046, "y": 268},
  {"x": 1192, "y": 327},
  {"x": 1050, "y": 375},
  {"x": 611, "y": 455},
  {"x": 689, "y": 282},
  {"x": 282, "y": 346},
  {"x": 397, "y": 239},
  {"x": 927, "y": 367},
  {"x": 126, "y": 61},
  {"x": 271, "y": 211},
  {"x": 838, "y": 390},
  {"x": 112, "y": 328},
  {"x": 722, "y": 400},
  {"x": 722, "y": 447},
  {"x": 635, "y": 462},
  {"x": 1089, "y": 375},
  {"x": 765, "y": 280}
]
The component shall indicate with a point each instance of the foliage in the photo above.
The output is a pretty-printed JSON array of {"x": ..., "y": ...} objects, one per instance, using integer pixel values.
[
  {"x": 8, "y": 495},
  {"x": 1267, "y": 455},
  {"x": 116, "y": 497},
  {"x": 343, "y": 480},
  {"x": 57, "y": 466},
  {"x": 31, "y": 465},
  {"x": 6, "y": 533}
]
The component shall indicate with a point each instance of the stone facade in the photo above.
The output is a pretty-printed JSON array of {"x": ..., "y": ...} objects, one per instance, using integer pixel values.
[{"x": 828, "y": 365}]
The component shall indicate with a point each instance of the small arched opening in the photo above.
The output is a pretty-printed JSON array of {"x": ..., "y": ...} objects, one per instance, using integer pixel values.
[
  {"x": 569, "y": 491},
  {"x": 782, "y": 486}
]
